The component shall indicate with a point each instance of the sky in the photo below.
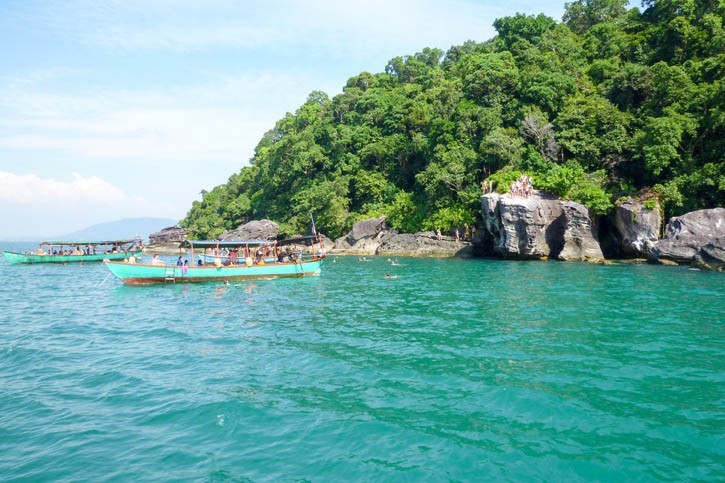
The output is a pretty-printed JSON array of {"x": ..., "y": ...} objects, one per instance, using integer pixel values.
[{"x": 130, "y": 108}]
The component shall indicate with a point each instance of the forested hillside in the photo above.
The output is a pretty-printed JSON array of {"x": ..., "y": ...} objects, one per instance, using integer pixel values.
[{"x": 604, "y": 104}]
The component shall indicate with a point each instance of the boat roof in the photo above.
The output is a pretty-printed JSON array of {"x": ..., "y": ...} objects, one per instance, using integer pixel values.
[
  {"x": 301, "y": 240},
  {"x": 86, "y": 242},
  {"x": 223, "y": 243}
]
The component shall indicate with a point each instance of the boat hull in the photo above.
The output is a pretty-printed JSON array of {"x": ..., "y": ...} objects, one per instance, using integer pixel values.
[
  {"x": 138, "y": 274},
  {"x": 14, "y": 257}
]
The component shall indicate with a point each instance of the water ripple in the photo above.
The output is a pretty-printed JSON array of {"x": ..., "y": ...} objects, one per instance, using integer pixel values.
[{"x": 454, "y": 370}]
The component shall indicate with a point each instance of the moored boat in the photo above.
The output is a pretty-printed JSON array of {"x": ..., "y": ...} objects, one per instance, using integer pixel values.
[
  {"x": 261, "y": 266},
  {"x": 71, "y": 251}
]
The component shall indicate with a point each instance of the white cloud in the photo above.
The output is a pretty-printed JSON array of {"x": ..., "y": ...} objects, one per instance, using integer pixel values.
[
  {"x": 31, "y": 189},
  {"x": 219, "y": 121}
]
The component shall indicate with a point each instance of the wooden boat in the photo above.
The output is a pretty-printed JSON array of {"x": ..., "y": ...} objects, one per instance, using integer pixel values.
[
  {"x": 55, "y": 252},
  {"x": 141, "y": 274}
]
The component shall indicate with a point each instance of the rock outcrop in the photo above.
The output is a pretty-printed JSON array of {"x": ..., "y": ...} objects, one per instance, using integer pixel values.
[
  {"x": 423, "y": 244},
  {"x": 371, "y": 237},
  {"x": 579, "y": 240},
  {"x": 171, "y": 234},
  {"x": 363, "y": 229},
  {"x": 254, "y": 230},
  {"x": 696, "y": 238},
  {"x": 637, "y": 227},
  {"x": 538, "y": 227}
]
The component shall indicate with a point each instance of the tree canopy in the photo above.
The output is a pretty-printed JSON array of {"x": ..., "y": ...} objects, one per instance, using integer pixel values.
[{"x": 606, "y": 103}]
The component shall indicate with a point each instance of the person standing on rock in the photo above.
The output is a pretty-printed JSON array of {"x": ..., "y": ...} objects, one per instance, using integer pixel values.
[{"x": 438, "y": 234}]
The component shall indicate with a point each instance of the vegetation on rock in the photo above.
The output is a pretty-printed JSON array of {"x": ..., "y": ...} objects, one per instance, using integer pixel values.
[{"x": 596, "y": 107}]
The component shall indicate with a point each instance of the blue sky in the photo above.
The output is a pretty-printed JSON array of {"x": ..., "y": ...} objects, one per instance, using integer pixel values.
[{"x": 118, "y": 109}]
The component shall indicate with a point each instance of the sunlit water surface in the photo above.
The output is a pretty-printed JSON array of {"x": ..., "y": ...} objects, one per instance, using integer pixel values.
[{"x": 453, "y": 371}]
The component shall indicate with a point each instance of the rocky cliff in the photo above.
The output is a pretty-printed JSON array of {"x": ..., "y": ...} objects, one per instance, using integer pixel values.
[
  {"x": 696, "y": 238},
  {"x": 538, "y": 227}
]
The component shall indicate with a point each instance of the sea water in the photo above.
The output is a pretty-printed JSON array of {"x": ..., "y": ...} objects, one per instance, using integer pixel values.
[{"x": 449, "y": 370}]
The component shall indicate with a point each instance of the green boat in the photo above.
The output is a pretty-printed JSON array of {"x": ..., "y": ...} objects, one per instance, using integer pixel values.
[
  {"x": 247, "y": 269},
  {"x": 78, "y": 251}
]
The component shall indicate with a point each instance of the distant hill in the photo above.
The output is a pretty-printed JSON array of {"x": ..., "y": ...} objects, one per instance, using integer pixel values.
[{"x": 125, "y": 228}]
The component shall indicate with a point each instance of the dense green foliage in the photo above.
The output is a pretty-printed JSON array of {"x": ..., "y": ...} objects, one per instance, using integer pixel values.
[{"x": 602, "y": 105}]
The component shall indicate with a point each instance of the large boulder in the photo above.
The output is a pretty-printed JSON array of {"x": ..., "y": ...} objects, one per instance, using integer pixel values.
[
  {"x": 637, "y": 226},
  {"x": 696, "y": 238},
  {"x": 523, "y": 228},
  {"x": 369, "y": 228},
  {"x": 580, "y": 242},
  {"x": 254, "y": 230},
  {"x": 171, "y": 234},
  {"x": 538, "y": 227}
]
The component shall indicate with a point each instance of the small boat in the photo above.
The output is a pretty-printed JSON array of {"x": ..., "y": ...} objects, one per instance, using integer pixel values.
[
  {"x": 78, "y": 251},
  {"x": 227, "y": 271}
]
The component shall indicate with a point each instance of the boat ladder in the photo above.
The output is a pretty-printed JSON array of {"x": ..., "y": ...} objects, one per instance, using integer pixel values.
[{"x": 170, "y": 275}]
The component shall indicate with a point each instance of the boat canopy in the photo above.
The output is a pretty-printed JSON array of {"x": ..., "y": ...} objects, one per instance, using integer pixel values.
[
  {"x": 85, "y": 242},
  {"x": 300, "y": 240},
  {"x": 223, "y": 243}
]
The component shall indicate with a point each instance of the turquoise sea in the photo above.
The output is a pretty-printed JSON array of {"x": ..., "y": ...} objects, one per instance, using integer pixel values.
[{"x": 456, "y": 370}]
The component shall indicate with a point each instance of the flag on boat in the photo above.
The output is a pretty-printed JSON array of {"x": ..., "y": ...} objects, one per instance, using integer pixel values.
[{"x": 314, "y": 231}]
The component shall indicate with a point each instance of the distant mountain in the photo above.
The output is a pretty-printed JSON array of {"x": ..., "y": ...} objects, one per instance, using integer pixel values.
[{"x": 116, "y": 230}]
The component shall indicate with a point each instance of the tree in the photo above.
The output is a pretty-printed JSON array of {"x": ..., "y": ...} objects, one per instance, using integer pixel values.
[{"x": 582, "y": 15}]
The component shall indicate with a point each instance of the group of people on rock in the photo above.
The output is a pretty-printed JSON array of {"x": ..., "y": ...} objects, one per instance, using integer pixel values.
[{"x": 522, "y": 187}]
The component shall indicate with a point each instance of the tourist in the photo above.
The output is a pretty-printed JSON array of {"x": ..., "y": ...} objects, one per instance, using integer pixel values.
[
  {"x": 438, "y": 234},
  {"x": 156, "y": 260},
  {"x": 179, "y": 262}
]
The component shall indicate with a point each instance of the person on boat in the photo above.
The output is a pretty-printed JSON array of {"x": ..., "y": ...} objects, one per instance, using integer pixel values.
[
  {"x": 185, "y": 267},
  {"x": 41, "y": 251},
  {"x": 156, "y": 261},
  {"x": 179, "y": 262},
  {"x": 248, "y": 261},
  {"x": 132, "y": 259},
  {"x": 200, "y": 263}
]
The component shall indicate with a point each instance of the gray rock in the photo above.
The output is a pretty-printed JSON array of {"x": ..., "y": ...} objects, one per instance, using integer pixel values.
[
  {"x": 379, "y": 241},
  {"x": 637, "y": 227},
  {"x": 365, "y": 229},
  {"x": 580, "y": 242},
  {"x": 423, "y": 244},
  {"x": 697, "y": 237},
  {"x": 254, "y": 230},
  {"x": 523, "y": 228},
  {"x": 172, "y": 234},
  {"x": 538, "y": 227},
  {"x": 341, "y": 244}
]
